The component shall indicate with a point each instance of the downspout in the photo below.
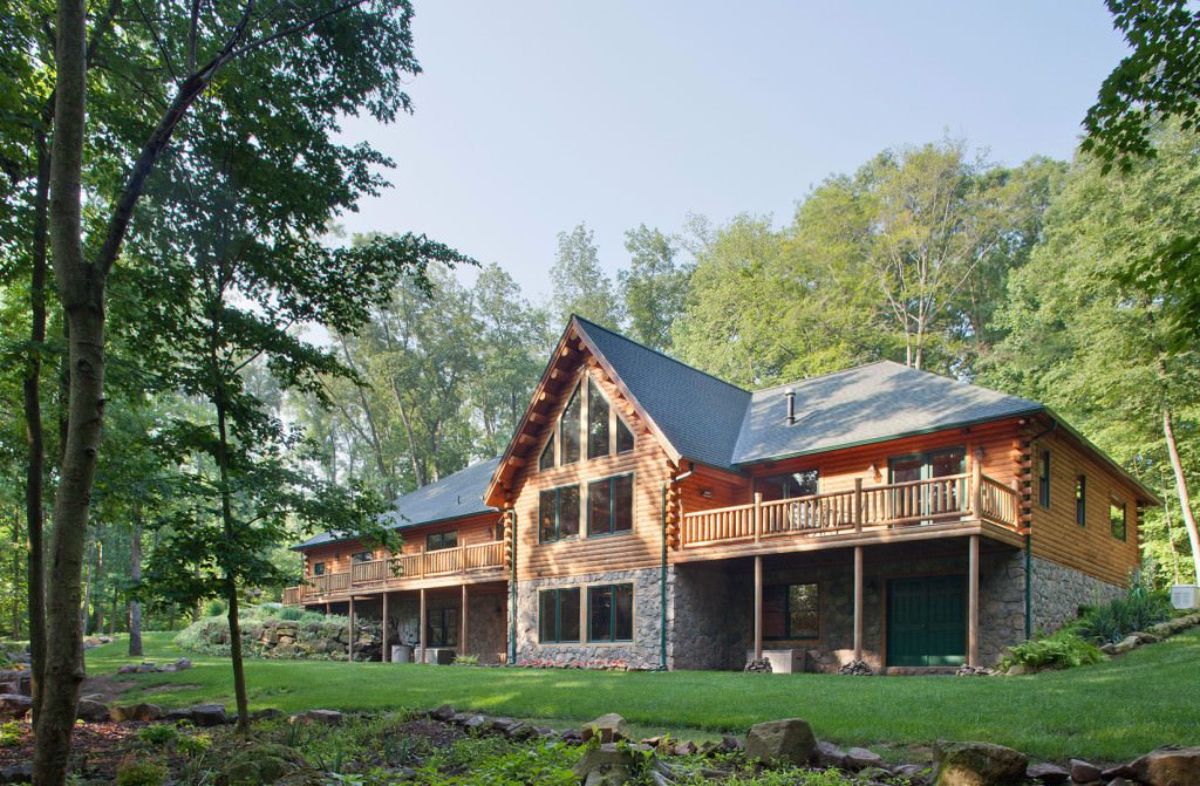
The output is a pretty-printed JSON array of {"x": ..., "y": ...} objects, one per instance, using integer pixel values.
[
  {"x": 1029, "y": 546},
  {"x": 512, "y": 595},
  {"x": 662, "y": 589}
]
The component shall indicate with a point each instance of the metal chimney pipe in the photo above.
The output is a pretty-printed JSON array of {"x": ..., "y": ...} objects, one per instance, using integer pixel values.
[{"x": 791, "y": 406}]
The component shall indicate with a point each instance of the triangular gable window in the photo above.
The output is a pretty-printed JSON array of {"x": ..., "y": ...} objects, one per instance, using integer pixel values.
[
  {"x": 624, "y": 437},
  {"x": 569, "y": 427},
  {"x": 547, "y": 459}
]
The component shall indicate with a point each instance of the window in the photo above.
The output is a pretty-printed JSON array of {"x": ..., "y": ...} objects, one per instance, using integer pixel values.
[
  {"x": 568, "y": 427},
  {"x": 499, "y": 534},
  {"x": 610, "y": 612},
  {"x": 1044, "y": 479},
  {"x": 797, "y": 484},
  {"x": 597, "y": 422},
  {"x": 318, "y": 568},
  {"x": 1116, "y": 518},
  {"x": 610, "y": 505},
  {"x": 441, "y": 540},
  {"x": 790, "y": 611},
  {"x": 558, "y": 514},
  {"x": 442, "y": 627},
  {"x": 624, "y": 437},
  {"x": 1081, "y": 500},
  {"x": 546, "y": 461},
  {"x": 363, "y": 556},
  {"x": 558, "y": 615}
]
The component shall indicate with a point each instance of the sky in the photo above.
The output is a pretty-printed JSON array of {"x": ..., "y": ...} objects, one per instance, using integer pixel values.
[{"x": 531, "y": 117}]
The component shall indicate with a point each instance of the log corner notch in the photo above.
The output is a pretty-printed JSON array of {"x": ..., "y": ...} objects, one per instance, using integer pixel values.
[
  {"x": 673, "y": 513},
  {"x": 506, "y": 521}
]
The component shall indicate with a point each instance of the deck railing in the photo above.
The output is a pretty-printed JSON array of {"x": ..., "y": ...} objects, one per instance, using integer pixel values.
[
  {"x": 937, "y": 500},
  {"x": 392, "y": 571}
]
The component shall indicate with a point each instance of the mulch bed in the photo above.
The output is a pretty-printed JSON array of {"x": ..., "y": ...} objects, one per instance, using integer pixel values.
[{"x": 96, "y": 748}]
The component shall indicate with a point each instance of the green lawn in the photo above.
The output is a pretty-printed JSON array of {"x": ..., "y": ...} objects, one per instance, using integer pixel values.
[{"x": 1109, "y": 712}]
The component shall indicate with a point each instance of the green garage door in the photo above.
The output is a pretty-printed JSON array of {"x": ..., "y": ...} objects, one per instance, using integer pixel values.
[{"x": 927, "y": 621}]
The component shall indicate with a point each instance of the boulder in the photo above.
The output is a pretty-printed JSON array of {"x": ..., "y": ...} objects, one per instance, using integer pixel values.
[
  {"x": 205, "y": 715},
  {"x": 1168, "y": 766},
  {"x": 14, "y": 705},
  {"x": 143, "y": 713},
  {"x": 327, "y": 717},
  {"x": 1050, "y": 774},
  {"x": 830, "y": 755},
  {"x": 913, "y": 773},
  {"x": 1083, "y": 771},
  {"x": 610, "y": 765},
  {"x": 1125, "y": 645},
  {"x": 128, "y": 668},
  {"x": 17, "y": 773},
  {"x": 91, "y": 711},
  {"x": 609, "y": 728},
  {"x": 977, "y": 764},
  {"x": 475, "y": 723},
  {"x": 443, "y": 713},
  {"x": 861, "y": 758},
  {"x": 788, "y": 741},
  {"x": 686, "y": 748}
]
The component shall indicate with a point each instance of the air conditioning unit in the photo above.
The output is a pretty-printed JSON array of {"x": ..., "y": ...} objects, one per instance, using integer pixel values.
[{"x": 1185, "y": 596}]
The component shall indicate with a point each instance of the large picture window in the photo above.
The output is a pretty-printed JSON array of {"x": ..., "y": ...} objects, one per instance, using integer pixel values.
[
  {"x": 441, "y": 540},
  {"x": 558, "y": 615},
  {"x": 1117, "y": 520},
  {"x": 558, "y": 513},
  {"x": 597, "y": 422},
  {"x": 569, "y": 427},
  {"x": 442, "y": 627},
  {"x": 610, "y": 505},
  {"x": 790, "y": 611},
  {"x": 610, "y": 612}
]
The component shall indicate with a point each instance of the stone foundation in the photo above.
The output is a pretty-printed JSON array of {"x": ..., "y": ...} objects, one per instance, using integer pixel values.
[
  {"x": 1059, "y": 592},
  {"x": 643, "y": 652}
]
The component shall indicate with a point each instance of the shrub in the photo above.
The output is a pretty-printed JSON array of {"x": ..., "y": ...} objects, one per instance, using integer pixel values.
[
  {"x": 1113, "y": 621},
  {"x": 1064, "y": 650},
  {"x": 10, "y": 734},
  {"x": 193, "y": 744},
  {"x": 141, "y": 773},
  {"x": 466, "y": 660},
  {"x": 291, "y": 614},
  {"x": 158, "y": 734},
  {"x": 214, "y": 608}
]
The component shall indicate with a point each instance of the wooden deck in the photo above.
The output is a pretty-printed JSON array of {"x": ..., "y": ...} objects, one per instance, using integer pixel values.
[
  {"x": 956, "y": 505},
  {"x": 445, "y": 567}
]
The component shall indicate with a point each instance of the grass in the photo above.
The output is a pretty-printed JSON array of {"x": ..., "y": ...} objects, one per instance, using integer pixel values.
[{"x": 1108, "y": 712}]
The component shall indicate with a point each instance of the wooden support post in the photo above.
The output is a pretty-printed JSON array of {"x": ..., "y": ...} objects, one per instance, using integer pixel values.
[
  {"x": 462, "y": 635},
  {"x": 973, "y": 601},
  {"x": 424, "y": 624},
  {"x": 757, "y": 524},
  {"x": 858, "y": 603},
  {"x": 758, "y": 610},
  {"x": 385, "y": 654},
  {"x": 350, "y": 638},
  {"x": 977, "y": 484},
  {"x": 858, "y": 508},
  {"x": 326, "y": 608}
]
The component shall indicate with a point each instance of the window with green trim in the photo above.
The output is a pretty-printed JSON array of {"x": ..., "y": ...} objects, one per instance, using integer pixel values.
[
  {"x": 441, "y": 540},
  {"x": 610, "y": 612},
  {"x": 597, "y": 422},
  {"x": 790, "y": 611},
  {"x": 610, "y": 505},
  {"x": 546, "y": 460},
  {"x": 442, "y": 627},
  {"x": 318, "y": 568},
  {"x": 558, "y": 513},
  {"x": 558, "y": 615},
  {"x": 624, "y": 437},
  {"x": 1117, "y": 519},
  {"x": 1081, "y": 500}
]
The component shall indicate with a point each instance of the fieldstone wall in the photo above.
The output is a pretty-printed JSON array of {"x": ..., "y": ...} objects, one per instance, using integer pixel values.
[
  {"x": 487, "y": 625},
  {"x": 641, "y": 653},
  {"x": 1059, "y": 592},
  {"x": 705, "y": 624}
]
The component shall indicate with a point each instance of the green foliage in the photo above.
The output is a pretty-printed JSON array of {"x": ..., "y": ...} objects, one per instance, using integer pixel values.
[
  {"x": 578, "y": 282},
  {"x": 1138, "y": 610},
  {"x": 210, "y": 636},
  {"x": 466, "y": 660},
  {"x": 214, "y": 607},
  {"x": 193, "y": 745},
  {"x": 654, "y": 288},
  {"x": 1063, "y": 650},
  {"x": 140, "y": 772},
  {"x": 158, "y": 734},
  {"x": 10, "y": 734}
]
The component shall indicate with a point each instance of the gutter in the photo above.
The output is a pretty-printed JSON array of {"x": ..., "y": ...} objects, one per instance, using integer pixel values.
[
  {"x": 512, "y": 596},
  {"x": 662, "y": 589}
]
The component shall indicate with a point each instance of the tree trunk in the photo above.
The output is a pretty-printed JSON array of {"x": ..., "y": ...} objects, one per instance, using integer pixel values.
[
  {"x": 135, "y": 574},
  {"x": 1181, "y": 486},
  {"x": 36, "y": 457},
  {"x": 235, "y": 630},
  {"x": 16, "y": 576}
]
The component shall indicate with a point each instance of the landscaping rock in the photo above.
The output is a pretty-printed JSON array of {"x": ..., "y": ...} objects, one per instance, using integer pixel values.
[
  {"x": 475, "y": 722},
  {"x": 830, "y": 755},
  {"x": 17, "y": 773},
  {"x": 1125, "y": 645},
  {"x": 856, "y": 668},
  {"x": 609, "y": 728},
  {"x": 1120, "y": 771},
  {"x": 91, "y": 711},
  {"x": 914, "y": 773},
  {"x": 974, "y": 671},
  {"x": 1084, "y": 772},
  {"x": 327, "y": 717},
  {"x": 128, "y": 668},
  {"x": 14, "y": 705},
  {"x": 1168, "y": 767},
  {"x": 263, "y": 763},
  {"x": 142, "y": 713},
  {"x": 977, "y": 764},
  {"x": 443, "y": 713},
  {"x": 788, "y": 741},
  {"x": 874, "y": 774},
  {"x": 759, "y": 666},
  {"x": 178, "y": 716},
  {"x": 610, "y": 765},
  {"x": 861, "y": 758},
  {"x": 1050, "y": 774},
  {"x": 684, "y": 748},
  {"x": 206, "y": 715}
]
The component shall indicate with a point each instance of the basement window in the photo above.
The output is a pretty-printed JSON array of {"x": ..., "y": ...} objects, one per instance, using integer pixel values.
[
  {"x": 790, "y": 611},
  {"x": 610, "y": 612},
  {"x": 558, "y": 615}
]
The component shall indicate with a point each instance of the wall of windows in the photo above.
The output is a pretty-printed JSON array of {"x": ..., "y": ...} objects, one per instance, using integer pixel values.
[
  {"x": 558, "y": 615},
  {"x": 610, "y": 505},
  {"x": 588, "y": 420}
]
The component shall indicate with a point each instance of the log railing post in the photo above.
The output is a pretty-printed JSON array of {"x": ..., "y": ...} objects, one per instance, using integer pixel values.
[
  {"x": 857, "y": 507},
  {"x": 757, "y": 524},
  {"x": 977, "y": 486}
]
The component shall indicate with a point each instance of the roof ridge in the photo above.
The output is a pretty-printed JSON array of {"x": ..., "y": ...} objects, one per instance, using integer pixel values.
[{"x": 660, "y": 353}]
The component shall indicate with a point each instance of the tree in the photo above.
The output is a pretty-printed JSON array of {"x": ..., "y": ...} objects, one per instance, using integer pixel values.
[
  {"x": 1086, "y": 339},
  {"x": 578, "y": 283},
  {"x": 654, "y": 287},
  {"x": 315, "y": 59}
]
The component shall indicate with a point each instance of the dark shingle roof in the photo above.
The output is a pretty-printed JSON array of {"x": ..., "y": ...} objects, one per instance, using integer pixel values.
[
  {"x": 452, "y": 497},
  {"x": 878, "y": 401},
  {"x": 697, "y": 413}
]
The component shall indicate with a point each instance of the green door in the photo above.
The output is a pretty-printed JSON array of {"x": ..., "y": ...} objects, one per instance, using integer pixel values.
[{"x": 927, "y": 621}]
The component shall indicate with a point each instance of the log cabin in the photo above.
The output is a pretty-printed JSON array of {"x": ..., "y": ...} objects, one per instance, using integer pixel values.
[{"x": 647, "y": 515}]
